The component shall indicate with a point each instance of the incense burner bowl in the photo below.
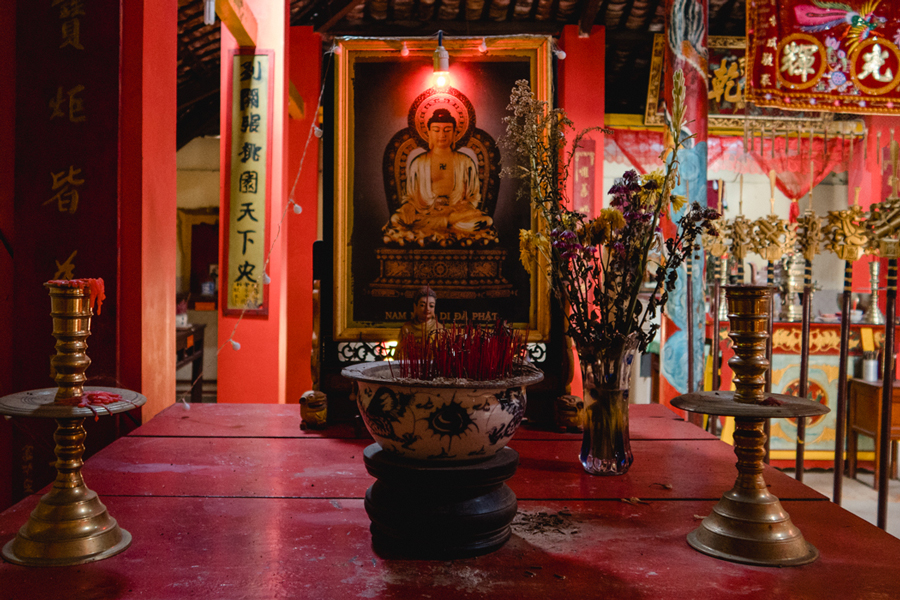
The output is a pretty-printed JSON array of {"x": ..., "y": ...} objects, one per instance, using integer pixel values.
[{"x": 442, "y": 421}]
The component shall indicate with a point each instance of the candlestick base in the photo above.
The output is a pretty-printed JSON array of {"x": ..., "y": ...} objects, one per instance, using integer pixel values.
[
  {"x": 749, "y": 525},
  {"x": 70, "y": 525}
]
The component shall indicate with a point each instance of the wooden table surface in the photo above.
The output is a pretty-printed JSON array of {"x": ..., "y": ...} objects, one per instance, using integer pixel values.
[{"x": 251, "y": 515}]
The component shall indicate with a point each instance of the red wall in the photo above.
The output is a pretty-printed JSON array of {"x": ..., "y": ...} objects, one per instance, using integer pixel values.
[{"x": 304, "y": 68}]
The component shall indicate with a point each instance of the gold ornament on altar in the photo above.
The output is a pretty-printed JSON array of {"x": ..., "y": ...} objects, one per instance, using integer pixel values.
[
  {"x": 882, "y": 225},
  {"x": 845, "y": 232},
  {"x": 809, "y": 234},
  {"x": 740, "y": 231},
  {"x": 773, "y": 237}
]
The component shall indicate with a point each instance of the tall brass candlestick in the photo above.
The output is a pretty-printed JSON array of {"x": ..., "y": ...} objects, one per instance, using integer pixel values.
[
  {"x": 748, "y": 524},
  {"x": 70, "y": 525}
]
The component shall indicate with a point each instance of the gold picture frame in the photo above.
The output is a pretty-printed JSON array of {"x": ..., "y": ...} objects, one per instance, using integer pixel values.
[{"x": 383, "y": 99}]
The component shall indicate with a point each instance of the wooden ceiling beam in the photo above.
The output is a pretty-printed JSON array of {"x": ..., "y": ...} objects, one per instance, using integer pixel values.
[
  {"x": 626, "y": 13},
  {"x": 322, "y": 23},
  {"x": 589, "y": 15},
  {"x": 238, "y": 18}
]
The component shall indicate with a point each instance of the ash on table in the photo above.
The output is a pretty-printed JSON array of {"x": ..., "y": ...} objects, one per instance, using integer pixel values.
[{"x": 543, "y": 523}]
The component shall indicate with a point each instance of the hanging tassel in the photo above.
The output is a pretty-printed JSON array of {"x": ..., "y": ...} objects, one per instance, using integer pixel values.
[
  {"x": 794, "y": 211},
  {"x": 773, "y": 143}
]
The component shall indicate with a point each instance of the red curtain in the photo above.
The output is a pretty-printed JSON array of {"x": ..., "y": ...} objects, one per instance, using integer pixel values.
[{"x": 791, "y": 160}]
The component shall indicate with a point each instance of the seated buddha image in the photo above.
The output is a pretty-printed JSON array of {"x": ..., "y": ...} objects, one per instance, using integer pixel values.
[{"x": 441, "y": 204}]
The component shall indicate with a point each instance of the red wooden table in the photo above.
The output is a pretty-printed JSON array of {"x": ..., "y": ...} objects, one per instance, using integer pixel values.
[{"x": 219, "y": 516}]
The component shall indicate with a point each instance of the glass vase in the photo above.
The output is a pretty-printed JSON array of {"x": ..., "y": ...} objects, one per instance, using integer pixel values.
[{"x": 606, "y": 448}]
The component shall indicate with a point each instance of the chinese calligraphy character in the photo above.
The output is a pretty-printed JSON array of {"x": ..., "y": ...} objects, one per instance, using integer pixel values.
[
  {"x": 76, "y": 104},
  {"x": 872, "y": 63},
  {"x": 765, "y": 79},
  {"x": 247, "y": 211},
  {"x": 71, "y": 34},
  {"x": 766, "y": 59},
  {"x": 245, "y": 233},
  {"x": 772, "y": 21},
  {"x": 249, "y": 98},
  {"x": 69, "y": 11},
  {"x": 772, "y": 43},
  {"x": 64, "y": 185},
  {"x": 798, "y": 60},
  {"x": 583, "y": 192},
  {"x": 726, "y": 81},
  {"x": 248, "y": 182},
  {"x": 245, "y": 270},
  {"x": 250, "y": 123},
  {"x": 250, "y": 151},
  {"x": 69, "y": 8},
  {"x": 66, "y": 269},
  {"x": 250, "y": 69}
]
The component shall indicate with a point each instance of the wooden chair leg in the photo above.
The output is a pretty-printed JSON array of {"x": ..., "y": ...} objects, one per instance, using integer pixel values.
[{"x": 852, "y": 441}]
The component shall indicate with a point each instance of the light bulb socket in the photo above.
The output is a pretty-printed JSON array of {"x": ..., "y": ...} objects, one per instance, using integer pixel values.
[{"x": 441, "y": 60}]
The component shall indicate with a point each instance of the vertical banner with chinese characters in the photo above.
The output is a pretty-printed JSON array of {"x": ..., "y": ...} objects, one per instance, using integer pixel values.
[
  {"x": 247, "y": 198},
  {"x": 828, "y": 56},
  {"x": 66, "y": 175}
]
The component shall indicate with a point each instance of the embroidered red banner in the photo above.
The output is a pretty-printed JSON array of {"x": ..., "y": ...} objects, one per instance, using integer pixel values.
[{"x": 824, "y": 55}]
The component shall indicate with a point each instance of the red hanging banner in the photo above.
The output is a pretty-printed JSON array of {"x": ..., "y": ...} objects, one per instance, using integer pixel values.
[{"x": 824, "y": 55}]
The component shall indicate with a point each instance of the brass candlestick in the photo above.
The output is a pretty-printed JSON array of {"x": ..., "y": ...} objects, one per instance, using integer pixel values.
[
  {"x": 873, "y": 315},
  {"x": 749, "y": 525},
  {"x": 70, "y": 525}
]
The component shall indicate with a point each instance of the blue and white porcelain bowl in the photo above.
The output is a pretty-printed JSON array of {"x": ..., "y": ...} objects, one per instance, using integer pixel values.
[{"x": 441, "y": 420}]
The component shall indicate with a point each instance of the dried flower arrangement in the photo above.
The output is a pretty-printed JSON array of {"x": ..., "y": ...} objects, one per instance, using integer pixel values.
[{"x": 596, "y": 267}]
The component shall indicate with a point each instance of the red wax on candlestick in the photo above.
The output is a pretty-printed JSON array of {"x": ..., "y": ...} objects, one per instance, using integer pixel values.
[{"x": 95, "y": 286}]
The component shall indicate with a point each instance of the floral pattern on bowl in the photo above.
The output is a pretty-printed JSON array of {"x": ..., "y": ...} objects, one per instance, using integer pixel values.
[{"x": 452, "y": 421}]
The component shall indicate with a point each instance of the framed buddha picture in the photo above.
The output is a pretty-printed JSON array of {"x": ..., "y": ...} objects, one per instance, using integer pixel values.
[{"x": 419, "y": 195}]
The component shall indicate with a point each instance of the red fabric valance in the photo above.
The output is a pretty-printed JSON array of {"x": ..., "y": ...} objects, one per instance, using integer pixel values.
[{"x": 641, "y": 149}]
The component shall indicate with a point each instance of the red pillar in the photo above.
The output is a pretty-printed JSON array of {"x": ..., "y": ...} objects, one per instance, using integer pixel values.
[
  {"x": 581, "y": 84},
  {"x": 305, "y": 59},
  {"x": 257, "y": 372},
  {"x": 147, "y": 206}
]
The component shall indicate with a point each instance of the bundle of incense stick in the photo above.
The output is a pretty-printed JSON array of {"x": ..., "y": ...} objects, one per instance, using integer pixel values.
[{"x": 462, "y": 352}]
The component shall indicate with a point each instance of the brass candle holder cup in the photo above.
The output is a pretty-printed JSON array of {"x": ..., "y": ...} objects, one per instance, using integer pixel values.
[
  {"x": 749, "y": 525},
  {"x": 70, "y": 525}
]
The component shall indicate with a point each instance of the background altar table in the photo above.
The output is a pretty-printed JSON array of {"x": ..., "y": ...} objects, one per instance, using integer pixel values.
[
  {"x": 864, "y": 417},
  {"x": 235, "y": 501}
]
